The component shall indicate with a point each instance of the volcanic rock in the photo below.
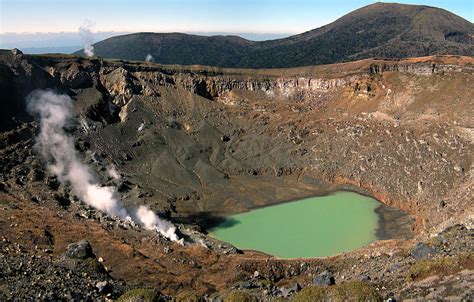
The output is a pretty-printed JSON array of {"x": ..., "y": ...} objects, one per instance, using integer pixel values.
[
  {"x": 79, "y": 250},
  {"x": 324, "y": 279},
  {"x": 286, "y": 291},
  {"x": 421, "y": 251}
]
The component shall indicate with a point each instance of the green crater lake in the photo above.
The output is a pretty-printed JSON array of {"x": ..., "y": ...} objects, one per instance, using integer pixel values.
[{"x": 311, "y": 227}]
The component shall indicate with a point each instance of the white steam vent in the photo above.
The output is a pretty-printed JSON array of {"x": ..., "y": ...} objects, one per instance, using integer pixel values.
[
  {"x": 113, "y": 172},
  {"x": 149, "y": 58},
  {"x": 57, "y": 148},
  {"x": 85, "y": 31}
]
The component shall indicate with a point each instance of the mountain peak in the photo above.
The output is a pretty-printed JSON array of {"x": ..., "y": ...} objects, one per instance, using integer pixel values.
[{"x": 385, "y": 30}]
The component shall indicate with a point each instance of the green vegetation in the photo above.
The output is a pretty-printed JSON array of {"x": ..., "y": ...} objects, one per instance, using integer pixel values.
[
  {"x": 356, "y": 290},
  {"x": 440, "y": 266},
  {"x": 58, "y": 56},
  {"x": 378, "y": 30},
  {"x": 139, "y": 295},
  {"x": 239, "y": 296},
  {"x": 348, "y": 291},
  {"x": 92, "y": 265},
  {"x": 434, "y": 242},
  {"x": 280, "y": 299},
  {"x": 313, "y": 293},
  {"x": 266, "y": 283},
  {"x": 189, "y": 296}
]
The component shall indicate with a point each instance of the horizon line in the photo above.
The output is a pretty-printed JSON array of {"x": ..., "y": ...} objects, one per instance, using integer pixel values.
[{"x": 147, "y": 31}]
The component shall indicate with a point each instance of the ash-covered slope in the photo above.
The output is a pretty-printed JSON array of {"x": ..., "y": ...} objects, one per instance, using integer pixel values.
[{"x": 385, "y": 30}]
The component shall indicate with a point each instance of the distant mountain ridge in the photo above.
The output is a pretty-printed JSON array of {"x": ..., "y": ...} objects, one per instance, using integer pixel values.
[{"x": 384, "y": 30}]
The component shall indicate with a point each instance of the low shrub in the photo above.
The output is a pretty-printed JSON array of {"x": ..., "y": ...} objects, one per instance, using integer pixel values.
[
  {"x": 139, "y": 295},
  {"x": 356, "y": 291},
  {"x": 239, "y": 296},
  {"x": 348, "y": 291},
  {"x": 189, "y": 296},
  {"x": 309, "y": 294},
  {"x": 91, "y": 265},
  {"x": 440, "y": 266}
]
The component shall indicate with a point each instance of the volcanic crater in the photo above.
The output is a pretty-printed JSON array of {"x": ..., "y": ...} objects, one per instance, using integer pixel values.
[{"x": 197, "y": 144}]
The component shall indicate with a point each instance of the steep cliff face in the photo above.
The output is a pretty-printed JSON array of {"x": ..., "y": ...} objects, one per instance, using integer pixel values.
[
  {"x": 290, "y": 86},
  {"x": 216, "y": 85}
]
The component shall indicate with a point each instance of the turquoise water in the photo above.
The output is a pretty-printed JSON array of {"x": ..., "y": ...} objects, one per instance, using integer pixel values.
[{"x": 311, "y": 227}]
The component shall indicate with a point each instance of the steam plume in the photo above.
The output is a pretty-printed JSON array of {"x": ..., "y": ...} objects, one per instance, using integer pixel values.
[
  {"x": 149, "y": 58},
  {"x": 57, "y": 148},
  {"x": 86, "y": 34},
  {"x": 113, "y": 172}
]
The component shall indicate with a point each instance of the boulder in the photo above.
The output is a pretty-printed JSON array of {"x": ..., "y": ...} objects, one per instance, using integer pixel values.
[
  {"x": 286, "y": 291},
  {"x": 324, "y": 279},
  {"x": 16, "y": 51},
  {"x": 421, "y": 251},
  {"x": 76, "y": 78},
  {"x": 103, "y": 287},
  {"x": 395, "y": 267},
  {"x": 79, "y": 250},
  {"x": 442, "y": 204}
]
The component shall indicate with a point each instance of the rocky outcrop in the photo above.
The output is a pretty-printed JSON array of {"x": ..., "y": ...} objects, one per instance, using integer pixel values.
[
  {"x": 79, "y": 250},
  {"x": 213, "y": 87},
  {"x": 120, "y": 85},
  {"x": 122, "y": 80},
  {"x": 419, "y": 68}
]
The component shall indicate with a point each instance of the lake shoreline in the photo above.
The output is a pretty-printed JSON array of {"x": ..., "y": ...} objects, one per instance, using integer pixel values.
[
  {"x": 341, "y": 221},
  {"x": 393, "y": 223}
]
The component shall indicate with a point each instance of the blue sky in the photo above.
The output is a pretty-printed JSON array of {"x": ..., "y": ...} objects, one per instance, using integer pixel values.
[{"x": 265, "y": 16}]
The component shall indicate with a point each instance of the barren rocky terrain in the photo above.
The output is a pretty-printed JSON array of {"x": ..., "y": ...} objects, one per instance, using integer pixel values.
[{"x": 198, "y": 143}]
